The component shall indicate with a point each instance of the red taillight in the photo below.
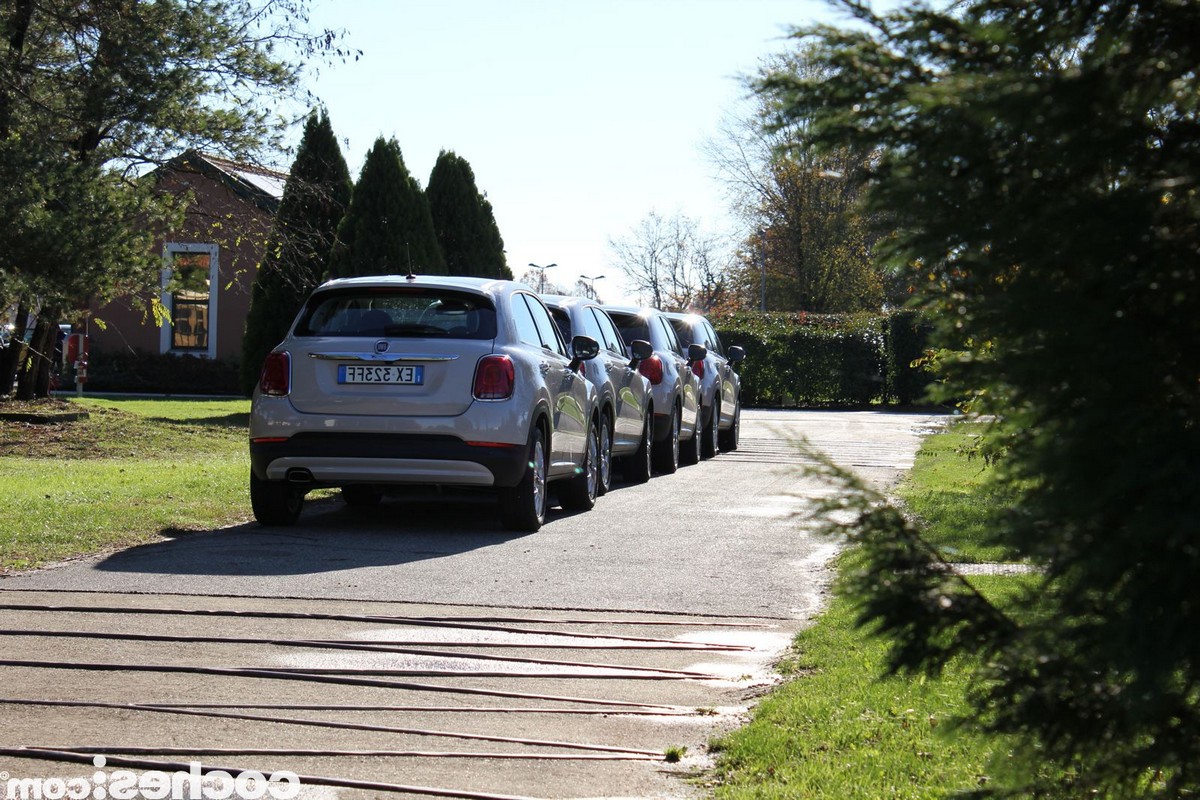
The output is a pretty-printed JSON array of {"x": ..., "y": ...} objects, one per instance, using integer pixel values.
[
  {"x": 698, "y": 368},
  {"x": 276, "y": 376},
  {"x": 494, "y": 378},
  {"x": 652, "y": 368}
]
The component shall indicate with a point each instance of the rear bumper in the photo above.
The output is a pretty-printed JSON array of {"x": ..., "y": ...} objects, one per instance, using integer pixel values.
[{"x": 321, "y": 459}]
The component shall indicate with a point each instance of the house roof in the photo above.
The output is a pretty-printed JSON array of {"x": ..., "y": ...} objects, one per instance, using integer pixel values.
[{"x": 262, "y": 186}]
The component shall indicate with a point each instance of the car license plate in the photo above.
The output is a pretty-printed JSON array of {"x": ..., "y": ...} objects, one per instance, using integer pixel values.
[{"x": 411, "y": 375}]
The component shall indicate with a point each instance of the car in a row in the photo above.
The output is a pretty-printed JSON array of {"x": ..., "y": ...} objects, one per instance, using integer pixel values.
[{"x": 387, "y": 381}]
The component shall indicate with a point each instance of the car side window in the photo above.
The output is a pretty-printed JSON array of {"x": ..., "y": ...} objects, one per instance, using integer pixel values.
[
  {"x": 669, "y": 332},
  {"x": 587, "y": 321},
  {"x": 714, "y": 340},
  {"x": 527, "y": 330},
  {"x": 609, "y": 333},
  {"x": 551, "y": 339}
]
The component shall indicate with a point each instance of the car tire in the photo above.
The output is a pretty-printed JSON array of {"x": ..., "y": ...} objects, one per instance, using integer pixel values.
[
  {"x": 728, "y": 438},
  {"x": 606, "y": 460},
  {"x": 666, "y": 452},
  {"x": 361, "y": 495},
  {"x": 275, "y": 502},
  {"x": 523, "y": 507},
  {"x": 639, "y": 466},
  {"x": 708, "y": 445},
  {"x": 579, "y": 493}
]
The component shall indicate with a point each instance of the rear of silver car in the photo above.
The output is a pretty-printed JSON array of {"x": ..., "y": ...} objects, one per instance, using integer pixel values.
[
  {"x": 387, "y": 385},
  {"x": 674, "y": 387}
]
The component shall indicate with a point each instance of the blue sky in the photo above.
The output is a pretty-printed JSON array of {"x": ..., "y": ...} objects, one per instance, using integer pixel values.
[{"x": 579, "y": 117}]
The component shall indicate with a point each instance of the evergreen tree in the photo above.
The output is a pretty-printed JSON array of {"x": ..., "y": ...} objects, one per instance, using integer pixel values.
[
  {"x": 388, "y": 227},
  {"x": 314, "y": 201},
  {"x": 463, "y": 220},
  {"x": 1038, "y": 172}
]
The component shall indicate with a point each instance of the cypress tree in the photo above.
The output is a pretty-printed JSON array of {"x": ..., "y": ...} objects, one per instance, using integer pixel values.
[
  {"x": 388, "y": 226},
  {"x": 314, "y": 201},
  {"x": 463, "y": 220}
]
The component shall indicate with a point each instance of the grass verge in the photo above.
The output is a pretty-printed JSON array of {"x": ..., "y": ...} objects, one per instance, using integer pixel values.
[
  {"x": 836, "y": 728},
  {"x": 130, "y": 472},
  {"x": 955, "y": 498}
]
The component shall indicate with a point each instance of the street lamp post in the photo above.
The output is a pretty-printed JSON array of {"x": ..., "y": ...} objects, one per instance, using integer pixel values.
[
  {"x": 542, "y": 275},
  {"x": 591, "y": 284}
]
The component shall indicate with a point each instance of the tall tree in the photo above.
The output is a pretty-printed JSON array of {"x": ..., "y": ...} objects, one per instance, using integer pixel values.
[
  {"x": 388, "y": 228},
  {"x": 1039, "y": 172},
  {"x": 809, "y": 243},
  {"x": 314, "y": 201},
  {"x": 90, "y": 93},
  {"x": 463, "y": 220},
  {"x": 671, "y": 263}
]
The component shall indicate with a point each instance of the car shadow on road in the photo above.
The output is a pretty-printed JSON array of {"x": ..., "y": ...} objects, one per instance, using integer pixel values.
[{"x": 330, "y": 536}]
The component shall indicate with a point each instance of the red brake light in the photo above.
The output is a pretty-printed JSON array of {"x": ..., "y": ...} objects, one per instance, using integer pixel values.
[
  {"x": 698, "y": 368},
  {"x": 276, "y": 376},
  {"x": 495, "y": 378},
  {"x": 652, "y": 368}
]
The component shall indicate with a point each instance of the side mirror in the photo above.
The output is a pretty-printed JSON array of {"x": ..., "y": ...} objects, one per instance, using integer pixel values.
[
  {"x": 696, "y": 352},
  {"x": 639, "y": 350},
  {"x": 583, "y": 348},
  {"x": 736, "y": 355}
]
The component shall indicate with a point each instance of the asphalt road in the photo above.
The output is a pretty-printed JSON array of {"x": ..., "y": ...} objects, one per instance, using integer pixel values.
[{"x": 420, "y": 647}]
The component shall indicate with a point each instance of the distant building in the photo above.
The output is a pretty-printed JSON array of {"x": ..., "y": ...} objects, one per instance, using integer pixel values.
[{"x": 208, "y": 264}]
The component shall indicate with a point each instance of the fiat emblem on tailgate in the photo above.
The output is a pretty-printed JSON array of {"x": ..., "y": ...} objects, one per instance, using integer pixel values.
[{"x": 381, "y": 346}]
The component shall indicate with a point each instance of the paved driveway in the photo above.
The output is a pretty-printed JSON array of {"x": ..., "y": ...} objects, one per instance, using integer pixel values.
[{"x": 420, "y": 649}]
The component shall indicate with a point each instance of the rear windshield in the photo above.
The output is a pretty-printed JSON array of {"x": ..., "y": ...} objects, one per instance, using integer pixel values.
[
  {"x": 563, "y": 320},
  {"x": 631, "y": 326},
  {"x": 683, "y": 330},
  {"x": 410, "y": 311}
]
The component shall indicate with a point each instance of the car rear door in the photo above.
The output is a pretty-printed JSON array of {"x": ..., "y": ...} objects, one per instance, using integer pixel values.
[
  {"x": 689, "y": 385},
  {"x": 567, "y": 390},
  {"x": 628, "y": 384}
]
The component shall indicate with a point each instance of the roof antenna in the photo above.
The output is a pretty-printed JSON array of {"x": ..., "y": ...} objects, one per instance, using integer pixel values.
[{"x": 408, "y": 251}]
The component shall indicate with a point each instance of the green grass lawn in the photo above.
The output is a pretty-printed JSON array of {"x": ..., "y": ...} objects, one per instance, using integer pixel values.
[
  {"x": 130, "y": 472},
  {"x": 836, "y": 728},
  {"x": 955, "y": 498}
]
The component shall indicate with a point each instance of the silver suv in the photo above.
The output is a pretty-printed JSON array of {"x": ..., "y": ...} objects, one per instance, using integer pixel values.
[
  {"x": 720, "y": 385},
  {"x": 675, "y": 388},
  {"x": 394, "y": 380},
  {"x": 623, "y": 393}
]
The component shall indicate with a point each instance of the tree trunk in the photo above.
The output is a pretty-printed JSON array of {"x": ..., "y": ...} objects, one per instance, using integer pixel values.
[
  {"x": 33, "y": 379},
  {"x": 12, "y": 356}
]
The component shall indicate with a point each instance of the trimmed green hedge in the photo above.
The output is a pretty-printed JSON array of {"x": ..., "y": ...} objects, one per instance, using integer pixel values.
[
  {"x": 797, "y": 359},
  {"x": 791, "y": 360},
  {"x": 906, "y": 337},
  {"x": 138, "y": 372}
]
